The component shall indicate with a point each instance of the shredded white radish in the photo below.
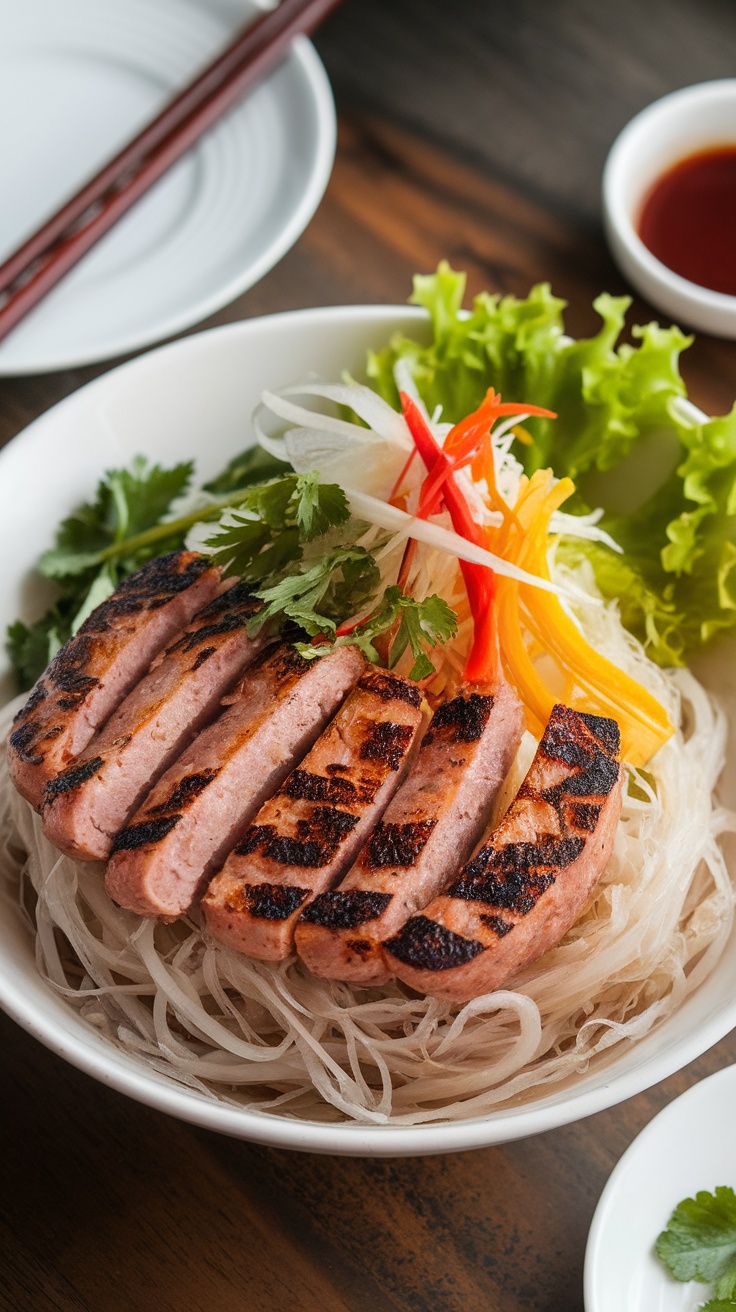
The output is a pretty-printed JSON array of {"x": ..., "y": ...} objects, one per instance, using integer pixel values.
[
  {"x": 367, "y": 404},
  {"x": 274, "y": 1038},
  {"x": 442, "y": 539},
  {"x": 367, "y": 461}
]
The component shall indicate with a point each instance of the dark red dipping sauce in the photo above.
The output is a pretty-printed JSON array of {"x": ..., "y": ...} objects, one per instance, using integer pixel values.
[{"x": 689, "y": 219}]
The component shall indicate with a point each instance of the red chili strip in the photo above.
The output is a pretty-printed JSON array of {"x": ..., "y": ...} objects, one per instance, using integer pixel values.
[{"x": 483, "y": 662}]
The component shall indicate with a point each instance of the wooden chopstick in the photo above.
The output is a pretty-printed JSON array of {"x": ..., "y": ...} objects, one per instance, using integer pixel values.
[{"x": 36, "y": 266}]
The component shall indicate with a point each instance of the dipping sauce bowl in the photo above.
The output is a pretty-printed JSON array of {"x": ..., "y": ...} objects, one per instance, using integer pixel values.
[{"x": 653, "y": 174}]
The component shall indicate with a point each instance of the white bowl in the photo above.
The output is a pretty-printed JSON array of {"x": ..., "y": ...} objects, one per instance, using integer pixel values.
[
  {"x": 697, "y": 118},
  {"x": 195, "y": 398}
]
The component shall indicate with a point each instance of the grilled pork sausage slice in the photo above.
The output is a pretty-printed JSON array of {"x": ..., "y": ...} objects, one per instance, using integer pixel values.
[
  {"x": 202, "y": 805},
  {"x": 529, "y": 882},
  {"x": 86, "y": 805},
  {"x": 95, "y": 669},
  {"x": 430, "y": 828},
  {"x": 305, "y": 836}
]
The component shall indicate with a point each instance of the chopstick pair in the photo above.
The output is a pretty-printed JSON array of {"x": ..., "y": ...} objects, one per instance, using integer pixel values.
[{"x": 38, "y": 264}]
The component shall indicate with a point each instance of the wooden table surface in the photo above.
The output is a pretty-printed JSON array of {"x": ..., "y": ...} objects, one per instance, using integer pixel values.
[{"x": 476, "y": 131}]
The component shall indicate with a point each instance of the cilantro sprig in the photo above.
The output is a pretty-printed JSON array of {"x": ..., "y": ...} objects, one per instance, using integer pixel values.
[
  {"x": 274, "y": 522},
  {"x": 414, "y": 624},
  {"x": 699, "y": 1243},
  {"x": 127, "y": 523},
  {"x": 318, "y": 595},
  {"x": 281, "y": 534},
  {"x": 318, "y": 598}
]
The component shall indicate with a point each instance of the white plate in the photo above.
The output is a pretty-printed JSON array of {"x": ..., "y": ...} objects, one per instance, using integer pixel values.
[
  {"x": 688, "y": 1147},
  {"x": 195, "y": 398},
  {"x": 77, "y": 79}
]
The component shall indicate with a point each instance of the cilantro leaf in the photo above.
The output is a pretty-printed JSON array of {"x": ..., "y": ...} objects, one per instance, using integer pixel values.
[
  {"x": 319, "y": 597},
  {"x": 699, "y": 1242},
  {"x": 423, "y": 623},
  {"x": 415, "y": 624},
  {"x": 251, "y": 466},
  {"x": 274, "y": 521},
  {"x": 321, "y": 506},
  {"x": 128, "y": 522},
  {"x": 127, "y": 502},
  {"x": 28, "y": 648},
  {"x": 144, "y": 494}
]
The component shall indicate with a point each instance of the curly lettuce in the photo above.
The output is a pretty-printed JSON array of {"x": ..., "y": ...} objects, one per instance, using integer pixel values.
[{"x": 666, "y": 482}]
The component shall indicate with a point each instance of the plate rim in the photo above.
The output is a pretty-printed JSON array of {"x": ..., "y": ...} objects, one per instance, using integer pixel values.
[
  {"x": 336, "y": 1138},
  {"x": 304, "y": 63},
  {"x": 595, "y": 1240}
]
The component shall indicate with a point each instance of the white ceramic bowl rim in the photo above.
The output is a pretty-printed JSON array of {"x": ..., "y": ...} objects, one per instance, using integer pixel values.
[
  {"x": 669, "y": 110},
  {"x": 705, "y": 1016}
]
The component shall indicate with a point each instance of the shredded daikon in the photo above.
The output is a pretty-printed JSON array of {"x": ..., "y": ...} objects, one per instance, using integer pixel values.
[{"x": 274, "y": 1038}]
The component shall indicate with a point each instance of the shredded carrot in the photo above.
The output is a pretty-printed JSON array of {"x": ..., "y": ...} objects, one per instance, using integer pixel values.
[
  {"x": 394, "y": 493},
  {"x": 592, "y": 683}
]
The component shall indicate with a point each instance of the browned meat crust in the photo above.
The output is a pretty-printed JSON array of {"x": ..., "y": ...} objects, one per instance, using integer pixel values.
[
  {"x": 85, "y": 805},
  {"x": 430, "y": 827},
  {"x": 530, "y": 881},
  {"x": 95, "y": 669},
  {"x": 305, "y": 837}
]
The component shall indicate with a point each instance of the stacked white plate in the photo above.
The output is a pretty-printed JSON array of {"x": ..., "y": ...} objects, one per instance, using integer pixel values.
[{"x": 77, "y": 80}]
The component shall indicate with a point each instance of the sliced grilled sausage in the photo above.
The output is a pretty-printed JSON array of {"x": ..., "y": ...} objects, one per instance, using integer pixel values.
[
  {"x": 305, "y": 836},
  {"x": 86, "y": 805},
  {"x": 95, "y": 669},
  {"x": 430, "y": 828},
  {"x": 530, "y": 880},
  {"x": 202, "y": 805}
]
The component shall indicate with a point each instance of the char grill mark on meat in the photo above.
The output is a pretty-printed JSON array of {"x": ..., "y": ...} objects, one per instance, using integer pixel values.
[
  {"x": 532, "y": 876},
  {"x": 25, "y": 742},
  {"x": 387, "y": 743},
  {"x": 168, "y": 812},
  {"x": 268, "y": 901},
  {"x": 461, "y": 720},
  {"x": 74, "y": 777},
  {"x": 203, "y": 656},
  {"x": 92, "y": 673},
  {"x": 429, "y": 828},
  {"x": 214, "y": 790},
  {"x": 516, "y": 875},
  {"x": 38, "y": 695},
  {"x": 427, "y": 945},
  {"x": 301, "y": 785},
  {"x": 497, "y": 925},
  {"x": 315, "y": 843},
  {"x": 145, "y": 834},
  {"x": 398, "y": 844},
  {"x": 184, "y": 793},
  {"x": 337, "y": 910},
  {"x": 390, "y": 688},
  {"x": 83, "y": 808},
  {"x": 307, "y": 834}
]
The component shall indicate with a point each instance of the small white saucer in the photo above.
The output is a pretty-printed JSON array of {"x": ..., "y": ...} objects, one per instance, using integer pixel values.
[
  {"x": 688, "y": 1147},
  {"x": 76, "y": 81},
  {"x": 684, "y": 123}
]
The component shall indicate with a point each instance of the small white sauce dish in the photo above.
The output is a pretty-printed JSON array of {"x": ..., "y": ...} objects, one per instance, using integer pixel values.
[{"x": 682, "y": 124}]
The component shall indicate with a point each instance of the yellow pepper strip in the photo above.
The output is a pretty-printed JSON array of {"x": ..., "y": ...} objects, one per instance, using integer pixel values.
[{"x": 591, "y": 682}]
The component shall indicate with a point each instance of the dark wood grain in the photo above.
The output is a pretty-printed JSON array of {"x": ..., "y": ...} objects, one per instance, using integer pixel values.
[{"x": 475, "y": 131}]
